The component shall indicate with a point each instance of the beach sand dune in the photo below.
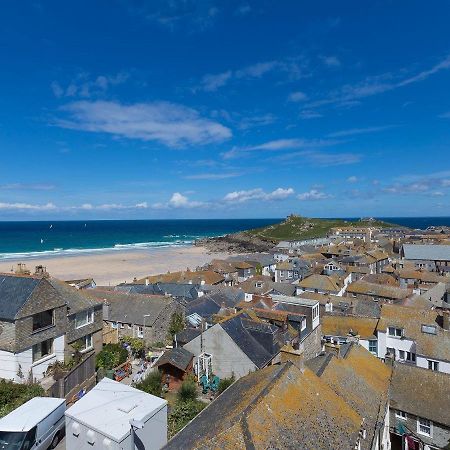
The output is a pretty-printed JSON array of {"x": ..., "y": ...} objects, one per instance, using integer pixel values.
[{"x": 111, "y": 268}]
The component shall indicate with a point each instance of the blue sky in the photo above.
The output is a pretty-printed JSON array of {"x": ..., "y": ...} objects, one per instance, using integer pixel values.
[{"x": 221, "y": 109}]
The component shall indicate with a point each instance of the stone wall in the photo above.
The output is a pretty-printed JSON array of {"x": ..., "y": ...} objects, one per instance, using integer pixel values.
[{"x": 312, "y": 345}]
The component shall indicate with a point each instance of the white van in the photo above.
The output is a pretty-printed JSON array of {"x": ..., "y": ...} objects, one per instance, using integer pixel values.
[{"x": 36, "y": 425}]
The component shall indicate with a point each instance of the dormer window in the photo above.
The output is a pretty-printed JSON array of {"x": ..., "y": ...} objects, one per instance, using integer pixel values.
[
  {"x": 395, "y": 332},
  {"x": 44, "y": 319},
  {"x": 259, "y": 284},
  {"x": 84, "y": 318}
]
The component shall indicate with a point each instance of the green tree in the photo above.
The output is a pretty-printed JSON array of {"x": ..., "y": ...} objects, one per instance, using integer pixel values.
[
  {"x": 187, "y": 391},
  {"x": 137, "y": 345},
  {"x": 112, "y": 355},
  {"x": 176, "y": 324},
  {"x": 224, "y": 383},
  {"x": 13, "y": 395},
  {"x": 182, "y": 413},
  {"x": 152, "y": 384}
]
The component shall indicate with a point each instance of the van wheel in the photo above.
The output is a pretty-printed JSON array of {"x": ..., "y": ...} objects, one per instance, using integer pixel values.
[{"x": 55, "y": 441}]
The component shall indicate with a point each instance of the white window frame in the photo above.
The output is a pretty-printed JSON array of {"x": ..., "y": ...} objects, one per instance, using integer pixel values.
[
  {"x": 303, "y": 326},
  {"x": 43, "y": 357},
  {"x": 87, "y": 342},
  {"x": 374, "y": 342},
  {"x": 401, "y": 415},
  {"x": 140, "y": 331},
  {"x": 114, "y": 325},
  {"x": 84, "y": 318},
  {"x": 396, "y": 330},
  {"x": 429, "y": 426},
  {"x": 434, "y": 365}
]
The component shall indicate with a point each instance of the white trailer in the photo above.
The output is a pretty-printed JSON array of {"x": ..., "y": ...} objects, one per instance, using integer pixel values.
[
  {"x": 36, "y": 425},
  {"x": 117, "y": 417}
]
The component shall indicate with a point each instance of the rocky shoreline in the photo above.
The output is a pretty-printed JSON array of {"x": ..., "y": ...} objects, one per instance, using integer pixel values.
[{"x": 236, "y": 243}]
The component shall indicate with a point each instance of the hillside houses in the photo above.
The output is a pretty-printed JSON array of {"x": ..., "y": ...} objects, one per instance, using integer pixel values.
[
  {"x": 41, "y": 321},
  {"x": 145, "y": 317},
  {"x": 430, "y": 257}
]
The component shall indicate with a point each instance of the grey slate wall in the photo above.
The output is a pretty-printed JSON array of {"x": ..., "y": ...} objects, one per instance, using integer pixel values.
[
  {"x": 312, "y": 345},
  {"x": 7, "y": 336},
  {"x": 26, "y": 338},
  {"x": 441, "y": 433}
]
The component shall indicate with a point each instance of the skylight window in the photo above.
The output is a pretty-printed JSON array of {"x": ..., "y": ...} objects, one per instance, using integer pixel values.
[{"x": 429, "y": 329}]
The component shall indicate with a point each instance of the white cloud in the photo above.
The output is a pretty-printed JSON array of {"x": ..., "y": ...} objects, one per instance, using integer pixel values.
[
  {"x": 352, "y": 179},
  {"x": 85, "y": 86},
  {"x": 27, "y": 206},
  {"x": 308, "y": 114},
  {"x": 356, "y": 131},
  {"x": 256, "y": 121},
  {"x": 213, "y": 176},
  {"x": 169, "y": 123},
  {"x": 319, "y": 158},
  {"x": 348, "y": 94},
  {"x": 27, "y": 186},
  {"x": 258, "y": 194},
  {"x": 330, "y": 61},
  {"x": 313, "y": 194},
  {"x": 290, "y": 67},
  {"x": 83, "y": 207},
  {"x": 243, "y": 9},
  {"x": 178, "y": 200},
  {"x": 297, "y": 96},
  {"x": 211, "y": 82},
  {"x": 58, "y": 91},
  {"x": 279, "y": 145},
  {"x": 444, "y": 64}
]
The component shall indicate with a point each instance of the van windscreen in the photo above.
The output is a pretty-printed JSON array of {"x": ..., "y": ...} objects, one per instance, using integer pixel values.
[{"x": 11, "y": 439}]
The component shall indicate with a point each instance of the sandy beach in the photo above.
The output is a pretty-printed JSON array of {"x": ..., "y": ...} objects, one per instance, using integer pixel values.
[{"x": 111, "y": 268}]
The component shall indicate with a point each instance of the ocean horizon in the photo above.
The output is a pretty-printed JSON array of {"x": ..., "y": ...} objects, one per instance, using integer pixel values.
[{"x": 27, "y": 239}]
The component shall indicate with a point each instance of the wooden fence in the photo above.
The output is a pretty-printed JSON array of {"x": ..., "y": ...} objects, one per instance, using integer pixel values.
[{"x": 80, "y": 377}]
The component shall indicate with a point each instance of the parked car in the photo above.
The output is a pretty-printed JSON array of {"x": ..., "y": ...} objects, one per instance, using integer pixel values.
[{"x": 36, "y": 425}]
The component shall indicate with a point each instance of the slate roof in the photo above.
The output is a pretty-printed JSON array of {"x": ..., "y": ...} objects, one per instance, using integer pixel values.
[
  {"x": 204, "y": 306},
  {"x": 422, "y": 392},
  {"x": 255, "y": 339},
  {"x": 178, "y": 357},
  {"x": 14, "y": 293},
  {"x": 282, "y": 289},
  {"x": 411, "y": 320},
  {"x": 342, "y": 325},
  {"x": 75, "y": 299},
  {"x": 278, "y": 407},
  {"x": 381, "y": 278},
  {"x": 358, "y": 371},
  {"x": 264, "y": 259},
  {"x": 427, "y": 252},
  {"x": 130, "y": 308},
  {"x": 197, "y": 277},
  {"x": 185, "y": 336},
  {"x": 320, "y": 282},
  {"x": 378, "y": 290},
  {"x": 422, "y": 275},
  {"x": 268, "y": 286}
]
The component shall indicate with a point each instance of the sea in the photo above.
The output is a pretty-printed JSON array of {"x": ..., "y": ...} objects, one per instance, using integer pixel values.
[{"x": 46, "y": 239}]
